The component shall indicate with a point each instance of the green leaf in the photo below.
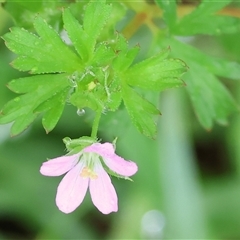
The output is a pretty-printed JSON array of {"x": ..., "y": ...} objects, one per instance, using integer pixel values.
[
  {"x": 210, "y": 98},
  {"x": 51, "y": 39},
  {"x": 44, "y": 54},
  {"x": 82, "y": 99},
  {"x": 118, "y": 13},
  {"x": 115, "y": 98},
  {"x": 77, "y": 35},
  {"x": 217, "y": 66},
  {"x": 203, "y": 20},
  {"x": 54, "y": 107},
  {"x": 24, "y": 12},
  {"x": 22, "y": 123},
  {"x": 95, "y": 17},
  {"x": 88, "y": 71},
  {"x": 209, "y": 25},
  {"x": 114, "y": 102},
  {"x": 140, "y": 111},
  {"x": 84, "y": 37},
  {"x": 103, "y": 55},
  {"x": 169, "y": 12},
  {"x": 22, "y": 109},
  {"x": 156, "y": 73},
  {"x": 125, "y": 56},
  {"x": 207, "y": 7}
]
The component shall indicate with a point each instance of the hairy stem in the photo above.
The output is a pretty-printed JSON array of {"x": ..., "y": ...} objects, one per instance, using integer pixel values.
[{"x": 96, "y": 124}]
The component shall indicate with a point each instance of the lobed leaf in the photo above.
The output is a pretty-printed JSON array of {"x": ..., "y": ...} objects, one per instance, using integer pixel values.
[
  {"x": 203, "y": 20},
  {"x": 97, "y": 72},
  {"x": 140, "y": 111},
  {"x": 95, "y": 17},
  {"x": 124, "y": 60},
  {"x": 125, "y": 56},
  {"x": 53, "y": 114},
  {"x": 77, "y": 35},
  {"x": 22, "y": 109},
  {"x": 32, "y": 83},
  {"x": 210, "y": 98},
  {"x": 217, "y": 66},
  {"x": 51, "y": 39},
  {"x": 44, "y": 54},
  {"x": 103, "y": 55},
  {"x": 22, "y": 122},
  {"x": 156, "y": 73}
]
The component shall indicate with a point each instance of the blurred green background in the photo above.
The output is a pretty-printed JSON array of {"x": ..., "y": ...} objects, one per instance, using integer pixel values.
[{"x": 187, "y": 186}]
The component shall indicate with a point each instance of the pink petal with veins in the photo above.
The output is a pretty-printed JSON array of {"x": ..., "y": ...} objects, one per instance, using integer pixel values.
[
  {"x": 102, "y": 192},
  {"x": 72, "y": 189},
  {"x": 112, "y": 160},
  {"x": 59, "y": 166}
]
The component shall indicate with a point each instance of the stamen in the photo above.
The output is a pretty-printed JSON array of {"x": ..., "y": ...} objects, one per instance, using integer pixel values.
[{"x": 88, "y": 173}]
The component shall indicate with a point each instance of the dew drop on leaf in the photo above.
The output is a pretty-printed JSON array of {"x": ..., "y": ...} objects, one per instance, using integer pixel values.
[{"x": 80, "y": 112}]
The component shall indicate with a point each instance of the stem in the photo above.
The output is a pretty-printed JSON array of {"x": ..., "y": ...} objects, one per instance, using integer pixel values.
[
  {"x": 96, "y": 124},
  {"x": 181, "y": 185}
]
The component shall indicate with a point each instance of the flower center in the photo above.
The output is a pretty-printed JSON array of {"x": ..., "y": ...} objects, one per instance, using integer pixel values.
[{"x": 87, "y": 172}]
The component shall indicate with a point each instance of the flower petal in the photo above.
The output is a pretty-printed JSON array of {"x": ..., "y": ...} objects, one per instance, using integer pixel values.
[
  {"x": 59, "y": 166},
  {"x": 102, "y": 192},
  {"x": 112, "y": 160},
  {"x": 72, "y": 189}
]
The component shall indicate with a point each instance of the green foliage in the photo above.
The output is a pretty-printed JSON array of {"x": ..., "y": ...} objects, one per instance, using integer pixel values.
[
  {"x": 204, "y": 20},
  {"x": 44, "y": 54},
  {"x": 74, "y": 146},
  {"x": 24, "y": 12},
  {"x": 102, "y": 76},
  {"x": 144, "y": 75},
  {"x": 96, "y": 16},
  {"x": 169, "y": 12},
  {"x": 140, "y": 111},
  {"x": 44, "y": 93},
  {"x": 211, "y": 100},
  {"x": 94, "y": 74}
]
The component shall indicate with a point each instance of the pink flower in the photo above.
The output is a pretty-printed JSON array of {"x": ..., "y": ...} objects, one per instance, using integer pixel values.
[{"x": 84, "y": 170}]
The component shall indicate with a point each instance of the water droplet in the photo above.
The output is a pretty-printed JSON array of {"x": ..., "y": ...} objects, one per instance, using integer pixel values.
[{"x": 80, "y": 112}]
